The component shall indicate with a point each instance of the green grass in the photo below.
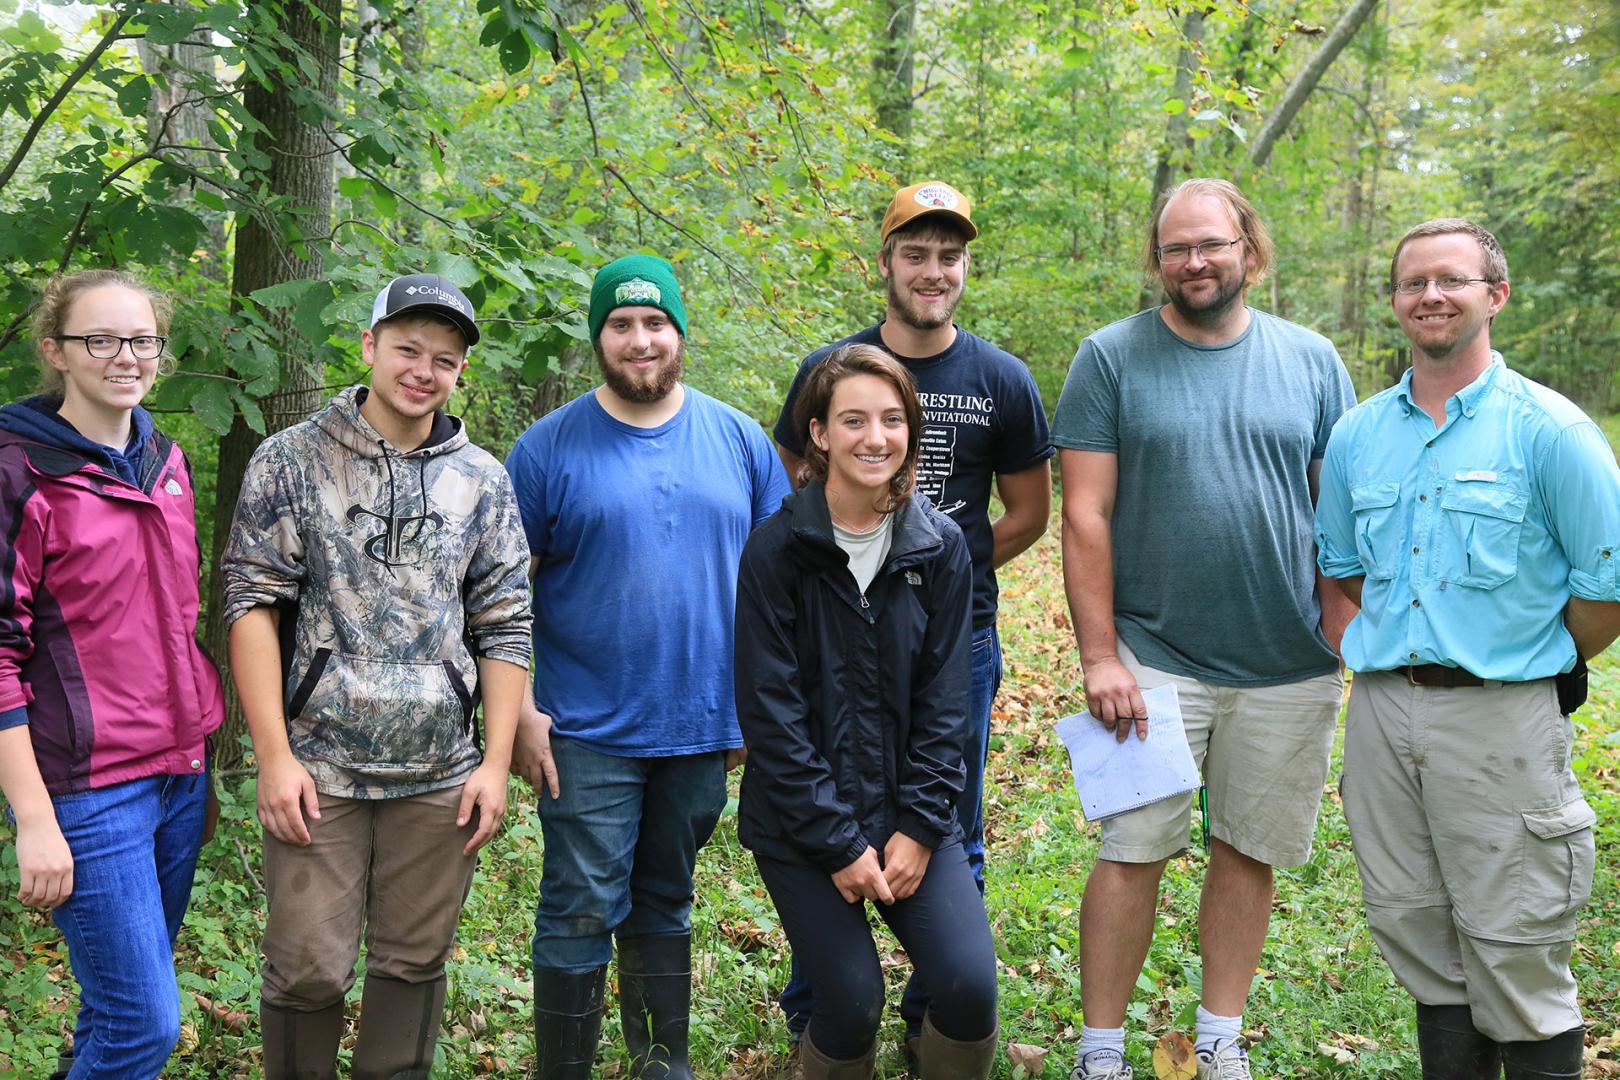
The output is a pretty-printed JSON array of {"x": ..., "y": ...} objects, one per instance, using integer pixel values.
[{"x": 1321, "y": 983}]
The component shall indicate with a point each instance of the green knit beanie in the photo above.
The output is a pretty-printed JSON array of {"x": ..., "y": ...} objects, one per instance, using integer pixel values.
[{"x": 635, "y": 281}]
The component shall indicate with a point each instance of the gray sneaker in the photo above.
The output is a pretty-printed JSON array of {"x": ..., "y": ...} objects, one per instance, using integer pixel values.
[
  {"x": 1227, "y": 1061},
  {"x": 1101, "y": 1065}
]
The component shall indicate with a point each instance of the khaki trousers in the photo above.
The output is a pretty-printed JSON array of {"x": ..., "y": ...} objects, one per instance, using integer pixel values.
[
  {"x": 394, "y": 865},
  {"x": 1474, "y": 845}
]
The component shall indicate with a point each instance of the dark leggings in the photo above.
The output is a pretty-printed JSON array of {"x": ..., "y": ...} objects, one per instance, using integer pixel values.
[{"x": 942, "y": 927}]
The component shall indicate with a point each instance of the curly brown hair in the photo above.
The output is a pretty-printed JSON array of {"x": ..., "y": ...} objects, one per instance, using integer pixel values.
[{"x": 815, "y": 399}]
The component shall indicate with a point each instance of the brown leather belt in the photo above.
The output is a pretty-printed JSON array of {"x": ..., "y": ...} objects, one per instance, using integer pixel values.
[{"x": 1440, "y": 676}]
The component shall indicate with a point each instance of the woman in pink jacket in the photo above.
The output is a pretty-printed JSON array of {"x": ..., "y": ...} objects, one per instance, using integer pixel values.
[{"x": 106, "y": 699}]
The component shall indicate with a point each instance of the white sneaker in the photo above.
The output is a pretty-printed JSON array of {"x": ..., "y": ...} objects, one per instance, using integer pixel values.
[
  {"x": 1227, "y": 1061},
  {"x": 1101, "y": 1065}
]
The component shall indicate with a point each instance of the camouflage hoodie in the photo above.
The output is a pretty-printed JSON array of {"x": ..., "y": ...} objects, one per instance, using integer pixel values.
[{"x": 394, "y": 570}]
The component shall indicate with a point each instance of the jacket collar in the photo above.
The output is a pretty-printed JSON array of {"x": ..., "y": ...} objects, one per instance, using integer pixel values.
[{"x": 810, "y": 523}]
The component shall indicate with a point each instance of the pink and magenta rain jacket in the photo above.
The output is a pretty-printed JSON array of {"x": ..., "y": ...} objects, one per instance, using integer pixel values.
[{"x": 98, "y": 604}]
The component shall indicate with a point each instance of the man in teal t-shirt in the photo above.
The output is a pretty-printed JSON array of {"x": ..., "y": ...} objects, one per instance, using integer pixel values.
[
  {"x": 636, "y": 498},
  {"x": 1190, "y": 438}
]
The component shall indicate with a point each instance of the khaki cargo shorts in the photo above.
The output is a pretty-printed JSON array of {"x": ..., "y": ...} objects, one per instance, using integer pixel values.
[{"x": 1264, "y": 755}]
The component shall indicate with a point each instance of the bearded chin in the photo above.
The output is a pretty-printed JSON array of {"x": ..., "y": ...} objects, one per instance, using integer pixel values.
[
  {"x": 644, "y": 393},
  {"x": 912, "y": 316}
]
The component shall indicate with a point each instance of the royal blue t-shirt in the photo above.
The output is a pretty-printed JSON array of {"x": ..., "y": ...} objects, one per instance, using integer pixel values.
[
  {"x": 639, "y": 532},
  {"x": 982, "y": 415}
]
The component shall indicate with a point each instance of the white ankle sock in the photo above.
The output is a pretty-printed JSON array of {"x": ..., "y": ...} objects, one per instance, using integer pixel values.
[
  {"x": 1093, "y": 1039},
  {"x": 1212, "y": 1029}
]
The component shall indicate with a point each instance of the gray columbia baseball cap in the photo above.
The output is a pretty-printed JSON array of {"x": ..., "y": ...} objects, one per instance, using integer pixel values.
[{"x": 426, "y": 293}]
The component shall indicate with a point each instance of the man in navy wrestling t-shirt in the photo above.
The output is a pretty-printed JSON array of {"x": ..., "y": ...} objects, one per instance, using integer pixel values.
[{"x": 982, "y": 418}]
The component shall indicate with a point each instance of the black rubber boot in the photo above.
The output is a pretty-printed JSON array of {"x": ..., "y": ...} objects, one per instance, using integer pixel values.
[
  {"x": 567, "y": 1022},
  {"x": 1451, "y": 1048},
  {"x": 399, "y": 1027},
  {"x": 1557, "y": 1058},
  {"x": 64, "y": 1064},
  {"x": 655, "y": 1001},
  {"x": 300, "y": 1045}
]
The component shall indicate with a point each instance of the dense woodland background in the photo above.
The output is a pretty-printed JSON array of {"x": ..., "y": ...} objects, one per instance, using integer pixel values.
[{"x": 274, "y": 161}]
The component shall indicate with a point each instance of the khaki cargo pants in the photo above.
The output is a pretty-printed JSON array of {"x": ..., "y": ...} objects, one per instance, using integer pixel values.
[{"x": 1474, "y": 845}]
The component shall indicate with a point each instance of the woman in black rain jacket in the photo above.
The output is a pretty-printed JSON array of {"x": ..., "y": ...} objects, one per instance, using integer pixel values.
[{"x": 853, "y": 640}]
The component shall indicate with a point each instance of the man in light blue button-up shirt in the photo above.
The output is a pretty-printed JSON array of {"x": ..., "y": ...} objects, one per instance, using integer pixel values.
[{"x": 1475, "y": 516}]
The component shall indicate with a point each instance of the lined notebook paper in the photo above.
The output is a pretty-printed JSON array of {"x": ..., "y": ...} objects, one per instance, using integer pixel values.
[{"x": 1113, "y": 777}]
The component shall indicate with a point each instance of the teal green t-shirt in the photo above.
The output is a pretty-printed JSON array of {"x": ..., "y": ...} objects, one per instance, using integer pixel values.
[{"x": 1214, "y": 556}]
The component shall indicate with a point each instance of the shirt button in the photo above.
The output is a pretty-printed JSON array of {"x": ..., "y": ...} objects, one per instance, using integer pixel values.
[
  {"x": 1605, "y": 553},
  {"x": 1411, "y": 656},
  {"x": 1417, "y": 603},
  {"x": 195, "y": 764},
  {"x": 1437, "y": 491},
  {"x": 1414, "y": 551},
  {"x": 1423, "y": 498}
]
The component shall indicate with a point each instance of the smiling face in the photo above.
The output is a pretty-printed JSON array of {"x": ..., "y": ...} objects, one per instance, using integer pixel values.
[
  {"x": 1202, "y": 289},
  {"x": 641, "y": 354},
  {"x": 105, "y": 389},
  {"x": 1447, "y": 327},
  {"x": 864, "y": 437},
  {"x": 925, "y": 273},
  {"x": 415, "y": 363}
]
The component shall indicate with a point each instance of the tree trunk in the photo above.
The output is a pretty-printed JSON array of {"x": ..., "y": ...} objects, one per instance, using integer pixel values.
[
  {"x": 178, "y": 115},
  {"x": 300, "y": 173},
  {"x": 892, "y": 67},
  {"x": 1177, "y": 138},
  {"x": 1309, "y": 75}
]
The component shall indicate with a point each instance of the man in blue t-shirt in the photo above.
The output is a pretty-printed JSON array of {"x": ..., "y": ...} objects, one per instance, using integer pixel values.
[
  {"x": 1192, "y": 436},
  {"x": 636, "y": 498},
  {"x": 982, "y": 421}
]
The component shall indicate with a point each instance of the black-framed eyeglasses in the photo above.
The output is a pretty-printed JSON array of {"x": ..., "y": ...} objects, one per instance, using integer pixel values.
[
  {"x": 1450, "y": 283},
  {"x": 107, "y": 346}
]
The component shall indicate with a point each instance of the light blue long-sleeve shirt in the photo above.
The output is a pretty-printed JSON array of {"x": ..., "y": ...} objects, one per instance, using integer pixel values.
[{"x": 1473, "y": 536}]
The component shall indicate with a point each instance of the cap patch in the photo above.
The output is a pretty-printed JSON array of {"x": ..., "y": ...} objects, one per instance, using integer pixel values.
[
  {"x": 936, "y": 197},
  {"x": 439, "y": 294},
  {"x": 638, "y": 291}
]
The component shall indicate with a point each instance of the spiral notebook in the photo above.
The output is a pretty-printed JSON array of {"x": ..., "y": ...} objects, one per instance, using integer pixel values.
[{"x": 1113, "y": 777}]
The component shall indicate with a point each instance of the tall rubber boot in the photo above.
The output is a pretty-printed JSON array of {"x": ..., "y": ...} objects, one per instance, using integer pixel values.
[
  {"x": 300, "y": 1045},
  {"x": 655, "y": 1001},
  {"x": 1451, "y": 1048},
  {"x": 814, "y": 1065},
  {"x": 1557, "y": 1058},
  {"x": 567, "y": 1022},
  {"x": 399, "y": 1027},
  {"x": 939, "y": 1058}
]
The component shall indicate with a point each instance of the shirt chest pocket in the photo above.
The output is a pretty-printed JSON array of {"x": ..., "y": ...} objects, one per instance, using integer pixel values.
[
  {"x": 1477, "y": 539},
  {"x": 1378, "y": 526}
]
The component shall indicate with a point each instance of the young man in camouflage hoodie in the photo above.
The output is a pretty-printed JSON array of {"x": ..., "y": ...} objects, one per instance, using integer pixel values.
[{"x": 375, "y": 584}]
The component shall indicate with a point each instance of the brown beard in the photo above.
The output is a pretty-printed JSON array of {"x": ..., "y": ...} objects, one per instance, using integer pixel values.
[{"x": 668, "y": 376}]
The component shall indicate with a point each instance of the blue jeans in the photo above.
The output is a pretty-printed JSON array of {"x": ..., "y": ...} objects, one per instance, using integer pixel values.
[
  {"x": 620, "y": 847},
  {"x": 797, "y": 1001},
  {"x": 134, "y": 851}
]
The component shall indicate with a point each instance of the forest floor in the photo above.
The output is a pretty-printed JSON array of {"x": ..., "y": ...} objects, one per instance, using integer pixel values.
[{"x": 1323, "y": 1004}]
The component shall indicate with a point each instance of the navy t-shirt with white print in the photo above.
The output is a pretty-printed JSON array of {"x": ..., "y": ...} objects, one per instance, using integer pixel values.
[{"x": 982, "y": 415}]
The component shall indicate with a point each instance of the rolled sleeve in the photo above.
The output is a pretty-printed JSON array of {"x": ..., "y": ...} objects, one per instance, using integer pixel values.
[
  {"x": 14, "y": 717},
  {"x": 1581, "y": 489},
  {"x": 1336, "y": 553}
]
